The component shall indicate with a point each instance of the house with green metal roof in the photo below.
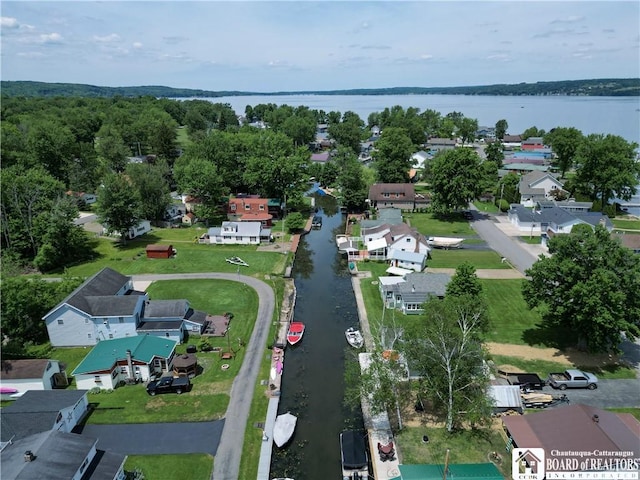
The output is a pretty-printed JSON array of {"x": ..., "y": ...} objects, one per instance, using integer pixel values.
[{"x": 135, "y": 358}]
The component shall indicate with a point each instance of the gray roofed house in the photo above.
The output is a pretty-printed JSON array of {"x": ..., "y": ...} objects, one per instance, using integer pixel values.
[
  {"x": 59, "y": 455},
  {"x": 32, "y": 374},
  {"x": 409, "y": 294},
  {"x": 415, "y": 261},
  {"x": 536, "y": 187},
  {"x": 42, "y": 410},
  {"x": 391, "y": 216},
  {"x": 397, "y": 195},
  {"x": 236, "y": 233}
]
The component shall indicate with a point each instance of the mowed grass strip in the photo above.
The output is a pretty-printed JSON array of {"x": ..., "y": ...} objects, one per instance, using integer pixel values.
[
  {"x": 191, "y": 466},
  {"x": 480, "y": 259},
  {"x": 431, "y": 226}
]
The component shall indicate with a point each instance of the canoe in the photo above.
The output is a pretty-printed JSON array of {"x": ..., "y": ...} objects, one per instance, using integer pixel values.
[{"x": 283, "y": 428}]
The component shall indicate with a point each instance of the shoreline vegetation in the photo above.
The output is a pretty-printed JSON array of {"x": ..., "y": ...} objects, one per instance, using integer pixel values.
[{"x": 607, "y": 87}]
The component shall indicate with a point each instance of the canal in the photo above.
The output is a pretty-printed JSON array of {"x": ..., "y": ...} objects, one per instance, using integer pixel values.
[{"x": 313, "y": 377}]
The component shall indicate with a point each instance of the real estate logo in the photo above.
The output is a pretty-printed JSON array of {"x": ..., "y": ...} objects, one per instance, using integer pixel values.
[{"x": 527, "y": 464}]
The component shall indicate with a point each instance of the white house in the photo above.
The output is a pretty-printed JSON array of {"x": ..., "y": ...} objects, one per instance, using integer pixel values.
[
  {"x": 112, "y": 361},
  {"x": 536, "y": 187},
  {"x": 419, "y": 158},
  {"x": 140, "y": 229},
  {"x": 32, "y": 374},
  {"x": 237, "y": 233},
  {"x": 380, "y": 240},
  {"x": 408, "y": 293},
  {"x": 415, "y": 261}
]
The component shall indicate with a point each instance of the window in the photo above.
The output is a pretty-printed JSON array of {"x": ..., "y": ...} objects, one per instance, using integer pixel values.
[
  {"x": 86, "y": 320},
  {"x": 166, "y": 334},
  {"x": 408, "y": 240},
  {"x": 111, "y": 335},
  {"x": 261, "y": 207},
  {"x": 97, "y": 379},
  {"x": 385, "y": 195},
  {"x": 84, "y": 465},
  {"x": 114, "y": 374},
  {"x": 123, "y": 370},
  {"x": 60, "y": 321},
  {"x": 120, "y": 319},
  {"x": 247, "y": 207},
  {"x": 88, "y": 335}
]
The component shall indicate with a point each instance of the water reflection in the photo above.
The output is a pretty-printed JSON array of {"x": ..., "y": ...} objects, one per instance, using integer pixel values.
[{"x": 313, "y": 376}]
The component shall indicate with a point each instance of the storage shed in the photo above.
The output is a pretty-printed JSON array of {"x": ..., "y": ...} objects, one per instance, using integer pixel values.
[{"x": 160, "y": 251}]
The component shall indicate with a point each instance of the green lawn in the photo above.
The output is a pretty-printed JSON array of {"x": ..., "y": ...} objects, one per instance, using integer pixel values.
[
  {"x": 543, "y": 368},
  {"x": 530, "y": 240},
  {"x": 453, "y": 258},
  {"x": 626, "y": 224},
  {"x": 486, "y": 207},
  {"x": 183, "y": 137},
  {"x": 452, "y": 225},
  {"x": 171, "y": 467},
  {"x": 130, "y": 259},
  {"x": 633, "y": 411},
  {"x": 468, "y": 446}
]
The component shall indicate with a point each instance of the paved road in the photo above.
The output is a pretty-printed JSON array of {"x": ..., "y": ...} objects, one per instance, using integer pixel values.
[
  {"x": 157, "y": 438},
  {"x": 229, "y": 453},
  {"x": 513, "y": 251},
  {"x": 609, "y": 394}
]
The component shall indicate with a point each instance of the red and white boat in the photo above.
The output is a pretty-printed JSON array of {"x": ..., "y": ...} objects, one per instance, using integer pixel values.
[{"x": 295, "y": 332}]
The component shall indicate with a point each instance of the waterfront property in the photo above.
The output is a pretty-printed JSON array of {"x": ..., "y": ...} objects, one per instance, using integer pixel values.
[
  {"x": 32, "y": 374},
  {"x": 408, "y": 293},
  {"x": 237, "y": 233},
  {"x": 537, "y": 187}
]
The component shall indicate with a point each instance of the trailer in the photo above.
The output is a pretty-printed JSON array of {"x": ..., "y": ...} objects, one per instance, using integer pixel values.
[{"x": 526, "y": 381}]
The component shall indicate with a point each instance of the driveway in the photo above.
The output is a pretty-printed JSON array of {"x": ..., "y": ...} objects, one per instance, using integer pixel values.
[
  {"x": 229, "y": 451},
  {"x": 609, "y": 394},
  {"x": 158, "y": 438}
]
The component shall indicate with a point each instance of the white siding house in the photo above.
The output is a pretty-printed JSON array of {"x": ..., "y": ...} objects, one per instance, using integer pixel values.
[
  {"x": 236, "y": 233},
  {"x": 32, "y": 374},
  {"x": 536, "y": 187},
  {"x": 407, "y": 259}
]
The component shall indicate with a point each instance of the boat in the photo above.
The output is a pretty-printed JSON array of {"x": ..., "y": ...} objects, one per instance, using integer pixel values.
[
  {"x": 237, "y": 261},
  {"x": 353, "y": 454},
  {"x": 353, "y": 268},
  {"x": 444, "y": 242},
  {"x": 316, "y": 222},
  {"x": 354, "y": 337},
  {"x": 8, "y": 391},
  {"x": 283, "y": 428},
  {"x": 295, "y": 332}
]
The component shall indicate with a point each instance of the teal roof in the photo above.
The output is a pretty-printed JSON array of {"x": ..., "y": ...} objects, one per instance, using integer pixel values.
[
  {"x": 468, "y": 471},
  {"x": 143, "y": 348}
]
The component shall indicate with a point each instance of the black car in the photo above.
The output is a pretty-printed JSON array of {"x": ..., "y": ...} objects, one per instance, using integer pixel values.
[
  {"x": 467, "y": 215},
  {"x": 169, "y": 384}
]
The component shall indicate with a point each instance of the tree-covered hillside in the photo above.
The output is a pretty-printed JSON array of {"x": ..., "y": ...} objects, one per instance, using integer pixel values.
[{"x": 594, "y": 87}]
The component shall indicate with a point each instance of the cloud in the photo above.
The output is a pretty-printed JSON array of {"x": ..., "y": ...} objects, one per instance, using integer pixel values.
[
  {"x": 375, "y": 47},
  {"x": 50, "y": 38},
  {"x": 500, "y": 57},
  {"x": 137, "y": 45},
  {"x": 173, "y": 40},
  {"x": 9, "y": 22},
  {"x": 30, "y": 54},
  {"x": 113, "y": 37},
  {"x": 559, "y": 32}
]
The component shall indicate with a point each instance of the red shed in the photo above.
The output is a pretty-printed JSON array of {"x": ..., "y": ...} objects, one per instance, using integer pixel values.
[{"x": 160, "y": 251}]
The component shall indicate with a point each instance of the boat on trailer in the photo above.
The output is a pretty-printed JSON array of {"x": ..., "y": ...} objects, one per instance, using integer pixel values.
[
  {"x": 444, "y": 242},
  {"x": 295, "y": 332},
  {"x": 353, "y": 454},
  {"x": 283, "y": 428},
  {"x": 237, "y": 261},
  {"x": 354, "y": 337}
]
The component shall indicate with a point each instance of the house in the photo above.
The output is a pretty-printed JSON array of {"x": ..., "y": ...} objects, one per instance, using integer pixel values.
[
  {"x": 576, "y": 428},
  {"x": 53, "y": 454},
  {"x": 174, "y": 212},
  {"x": 413, "y": 261},
  {"x": 380, "y": 240},
  {"x": 106, "y": 307},
  {"x": 537, "y": 186},
  {"x": 532, "y": 143},
  {"x": 437, "y": 144},
  {"x": 191, "y": 203},
  {"x": 553, "y": 221},
  {"x": 392, "y": 216},
  {"x": 510, "y": 142},
  {"x": 189, "y": 219},
  {"x": 43, "y": 410},
  {"x": 160, "y": 251},
  {"x": 408, "y": 293},
  {"x": 32, "y": 374},
  {"x": 237, "y": 233},
  {"x": 419, "y": 158},
  {"x": 140, "y": 229},
  {"x": 83, "y": 197},
  {"x": 124, "y": 359},
  {"x": 249, "y": 209},
  {"x": 570, "y": 206},
  {"x": 629, "y": 240},
  {"x": 320, "y": 157},
  {"x": 486, "y": 132},
  {"x": 396, "y": 195}
]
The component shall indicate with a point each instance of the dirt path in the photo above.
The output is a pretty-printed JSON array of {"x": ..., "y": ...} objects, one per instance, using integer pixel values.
[{"x": 568, "y": 357}]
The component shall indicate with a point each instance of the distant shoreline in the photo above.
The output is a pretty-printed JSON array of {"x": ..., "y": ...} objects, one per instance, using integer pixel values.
[{"x": 607, "y": 87}]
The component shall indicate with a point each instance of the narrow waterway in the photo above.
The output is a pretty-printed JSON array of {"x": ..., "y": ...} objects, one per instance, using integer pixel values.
[{"x": 313, "y": 376}]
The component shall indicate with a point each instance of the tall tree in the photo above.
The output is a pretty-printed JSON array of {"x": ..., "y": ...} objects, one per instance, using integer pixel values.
[
  {"x": 446, "y": 351},
  {"x": 501, "y": 128},
  {"x": 468, "y": 129},
  {"x": 589, "y": 287},
  {"x": 347, "y": 132},
  {"x": 353, "y": 188},
  {"x": 607, "y": 167},
  {"x": 118, "y": 205},
  {"x": 564, "y": 142},
  {"x": 392, "y": 156},
  {"x": 532, "y": 132},
  {"x": 199, "y": 178},
  {"x": 150, "y": 183},
  {"x": 112, "y": 149},
  {"x": 456, "y": 179},
  {"x": 51, "y": 144},
  {"x": 464, "y": 282},
  {"x": 495, "y": 153}
]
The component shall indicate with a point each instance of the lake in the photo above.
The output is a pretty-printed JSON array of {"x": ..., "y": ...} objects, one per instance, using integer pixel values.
[{"x": 607, "y": 115}]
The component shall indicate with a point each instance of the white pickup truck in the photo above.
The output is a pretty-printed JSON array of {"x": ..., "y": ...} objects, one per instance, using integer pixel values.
[{"x": 573, "y": 378}]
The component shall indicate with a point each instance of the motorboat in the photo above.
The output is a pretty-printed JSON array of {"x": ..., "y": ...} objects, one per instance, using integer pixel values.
[
  {"x": 444, "y": 242},
  {"x": 353, "y": 454},
  {"x": 237, "y": 261},
  {"x": 354, "y": 337},
  {"x": 295, "y": 332},
  {"x": 316, "y": 222},
  {"x": 283, "y": 428},
  {"x": 353, "y": 268}
]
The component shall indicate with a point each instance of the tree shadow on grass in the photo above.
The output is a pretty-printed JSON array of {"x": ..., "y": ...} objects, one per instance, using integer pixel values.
[{"x": 550, "y": 336}]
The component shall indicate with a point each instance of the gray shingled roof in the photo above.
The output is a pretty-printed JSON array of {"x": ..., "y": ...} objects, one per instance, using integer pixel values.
[
  {"x": 165, "y": 308},
  {"x": 196, "y": 316},
  {"x": 58, "y": 455},
  {"x": 28, "y": 368},
  {"x": 107, "y": 282},
  {"x": 105, "y": 465},
  {"x": 112, "y": 306},
  {"x": 417, "y": 286},
  {"x": 159, "y": 325},
  {"x": 405, "y": 256}
]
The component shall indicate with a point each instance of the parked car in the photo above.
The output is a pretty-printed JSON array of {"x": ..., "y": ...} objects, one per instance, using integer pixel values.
[
  {"x": 573, "y": 378},
  {"x": 169, "y": 385},
  {"x": 526, "y": 381}
]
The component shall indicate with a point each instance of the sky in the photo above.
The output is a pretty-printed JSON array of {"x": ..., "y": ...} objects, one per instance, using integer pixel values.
[{"x": 269, "y": 46}]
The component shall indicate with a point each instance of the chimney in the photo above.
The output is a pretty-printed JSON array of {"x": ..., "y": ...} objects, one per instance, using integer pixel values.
[
  {"x": 29, "y": 456},
  {"x": 130, "y": 363}
]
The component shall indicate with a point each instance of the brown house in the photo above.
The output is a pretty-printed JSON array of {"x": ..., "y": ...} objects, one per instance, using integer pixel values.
[
  {"x": 250, "y": 209},
  {"x": 392, "y": 195},
  {"x": 160, "y": 251}
]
